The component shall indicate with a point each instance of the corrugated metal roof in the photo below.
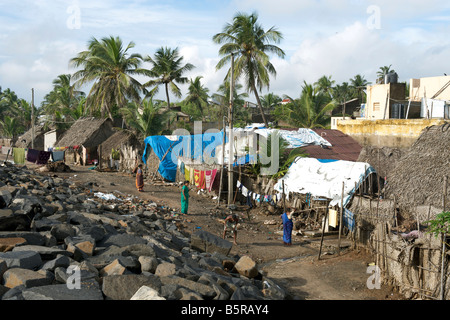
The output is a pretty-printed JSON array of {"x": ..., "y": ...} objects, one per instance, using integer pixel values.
[{"x": 343, "y": 147}]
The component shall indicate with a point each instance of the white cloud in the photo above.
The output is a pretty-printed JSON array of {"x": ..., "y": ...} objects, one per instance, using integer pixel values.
[{"x": 321, "y": 37}]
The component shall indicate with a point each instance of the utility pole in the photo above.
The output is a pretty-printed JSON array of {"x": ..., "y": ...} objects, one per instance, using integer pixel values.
[
  {"x": 230, "y": 140},
  {"x": 32, "y": 118}
]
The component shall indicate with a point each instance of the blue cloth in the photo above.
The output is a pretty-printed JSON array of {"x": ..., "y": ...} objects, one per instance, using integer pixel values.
[
  {"x": 287, "y": 228},
  {"x": 58, "y": 156},
  {"x": 194, "y": 147},
  {"x": 348, "y": 219}
]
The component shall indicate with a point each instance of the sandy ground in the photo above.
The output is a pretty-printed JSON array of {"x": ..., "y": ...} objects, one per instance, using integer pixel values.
[{"x": 297, "y": 268}]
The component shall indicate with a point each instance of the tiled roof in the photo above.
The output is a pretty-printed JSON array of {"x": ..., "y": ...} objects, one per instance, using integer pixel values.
[{"x": 343, "y": 147}]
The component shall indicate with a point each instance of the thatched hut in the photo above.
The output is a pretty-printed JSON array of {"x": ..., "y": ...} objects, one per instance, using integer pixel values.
[
  {"x": 82, "y": 139},
  {"x": 27, "y": 140},
  {"x": 125, "y": 145},
  {"x": 418, "y": 177}
]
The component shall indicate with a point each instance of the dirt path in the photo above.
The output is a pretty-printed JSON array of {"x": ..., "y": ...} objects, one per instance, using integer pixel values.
[{"x": 297, "y": 268}]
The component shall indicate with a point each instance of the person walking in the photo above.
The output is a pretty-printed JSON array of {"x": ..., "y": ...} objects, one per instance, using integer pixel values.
[
  {"x": 185, "y": 197},
  {"x": 231, "y": 225},
  {"x": 139, "y": 178},
  {"x": 287, "y": 227}
]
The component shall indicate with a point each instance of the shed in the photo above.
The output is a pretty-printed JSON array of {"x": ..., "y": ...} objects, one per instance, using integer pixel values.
[
  {"x": 83, "y": 138},
  {"x": 128, "y": 147}
]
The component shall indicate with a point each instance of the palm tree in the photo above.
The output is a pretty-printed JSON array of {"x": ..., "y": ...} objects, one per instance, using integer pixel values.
[
  {"x": 109, "y": 65},
  {"x": 197, "y": 95},
  {"x": 270, "y": 100},
  {"x": 358, "y": 83},
  {"x": 311, "y": 110},
  {"x": 168, "y": 69},
  {"x": 384, "y": 71},
  {"x": 62, "y": 102},
  {"x": 342, "y": 94},
  {"x": 10, "y": 127},
  {"x": 325, "y": 85},
  {"x": 222, "y": 99},
  {"x": 246, "y": 40},
  {"x": 145, "y": 118}
]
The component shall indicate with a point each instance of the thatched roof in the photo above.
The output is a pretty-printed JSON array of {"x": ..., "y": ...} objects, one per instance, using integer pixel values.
[
  {"x": 383, "y": 159},
  {"x": 418, "y": 176},
  {"x": 24, "y": 141},
  {"x": 89, "y": 132},
  {"x": 119, "y": 138}
]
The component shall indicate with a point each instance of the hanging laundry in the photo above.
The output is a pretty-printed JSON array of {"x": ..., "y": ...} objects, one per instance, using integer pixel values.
[
  {"x": 202, "y": 182},
  {"x": 208, "y": 174},
  {"x": 58, "y": 156},
  {"x": 213, "y": 177},
  {"x": 32, "y": 155},
  {"x": 187, "y": 173},
  {"x": 197, "y": 178},
  {"x": 333, "y": 218},
  {"x": 191, "y": 176},
  {"x": 19, "y": 155},
  {"x": 244, "y": 191},
  {"x": 43, "y": 157}
]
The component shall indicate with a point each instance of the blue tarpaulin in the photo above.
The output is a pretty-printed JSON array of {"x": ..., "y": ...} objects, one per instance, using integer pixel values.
[{"x": 196, "y": 147}]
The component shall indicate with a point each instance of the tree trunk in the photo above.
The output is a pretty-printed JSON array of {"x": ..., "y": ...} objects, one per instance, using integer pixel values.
[
  {"x": 168, "y": 104},
  {"x": 167, "y": 95},
  {"x": 260, "y": 106}
]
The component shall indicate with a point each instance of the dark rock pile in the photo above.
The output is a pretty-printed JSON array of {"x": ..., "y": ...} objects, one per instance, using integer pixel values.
[{"x": 61, "y": 241}]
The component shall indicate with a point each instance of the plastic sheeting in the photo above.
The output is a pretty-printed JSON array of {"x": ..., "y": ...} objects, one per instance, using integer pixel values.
[
  {"x": 196, "y": 147},
  {"x": 323, "y": 178}
]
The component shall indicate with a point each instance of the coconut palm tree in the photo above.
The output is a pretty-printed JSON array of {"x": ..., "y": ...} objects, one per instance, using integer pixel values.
[
  {"x": 311, "y": 109},
  {"x": 358, "y": 83},
  {"x": 270, "y": 100},
  {"x": 168, "y": 69},
  {"x": 62, "y": 102},
  {"x": 245, "y": 40},
  {"x": 342, "y": 94},
  {"x": 111, "y": 68},
  {"x": 325, "y": 85},
  {"x": 197, "y": 95},
  {"x": 10, "y": 127},
  {"x": 222, "y": 100},
  {"x": 384, "y": 71},
  {"x": 146, "y": 117}
]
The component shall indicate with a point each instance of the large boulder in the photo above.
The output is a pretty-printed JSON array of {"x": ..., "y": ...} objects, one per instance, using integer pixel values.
[{"x": 205, "y": 241}]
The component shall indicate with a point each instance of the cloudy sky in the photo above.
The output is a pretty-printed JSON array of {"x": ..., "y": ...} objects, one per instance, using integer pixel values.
[{"x": 338, "y": 38}]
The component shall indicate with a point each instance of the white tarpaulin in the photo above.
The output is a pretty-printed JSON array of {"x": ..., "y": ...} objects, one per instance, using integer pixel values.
[{"x": 323, "y": 178}]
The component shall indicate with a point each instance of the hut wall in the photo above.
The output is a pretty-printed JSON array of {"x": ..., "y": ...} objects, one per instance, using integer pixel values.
[
  {"x": 406, "y": 257},
  {"x": 128, "y": 155}
]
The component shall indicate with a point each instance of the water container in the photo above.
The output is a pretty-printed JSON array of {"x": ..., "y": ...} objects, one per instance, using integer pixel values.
[{"x": 398, "y": 111}]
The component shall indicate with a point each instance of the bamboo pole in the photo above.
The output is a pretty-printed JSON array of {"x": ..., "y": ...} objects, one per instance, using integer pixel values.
[
  {"x": 443, "y": 240},
  {"x": 323, "y": 232},
  {"x": 340, "y": 218}
]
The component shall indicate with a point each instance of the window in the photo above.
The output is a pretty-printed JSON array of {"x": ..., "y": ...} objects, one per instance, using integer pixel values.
[{"x": 376, "y": 106}]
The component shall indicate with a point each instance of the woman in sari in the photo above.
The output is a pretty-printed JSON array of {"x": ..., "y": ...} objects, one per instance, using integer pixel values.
[
  {"x": 185, "y": 197},
  {"x": 287, "y": 227},
  {"x": 139, "y": 178}
]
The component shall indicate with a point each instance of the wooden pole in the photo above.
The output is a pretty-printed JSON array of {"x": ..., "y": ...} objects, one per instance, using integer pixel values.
[
  {"x": 230, "y": 120},
  {"x": 323, "y": 232},
  {"x": 443, "y": 241},
  {"x": 223, "y": 161},
  {"x": 284, "y": 197},
  {"x": 340, "y": 218},
  {"x": 32, "y": 118}
]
